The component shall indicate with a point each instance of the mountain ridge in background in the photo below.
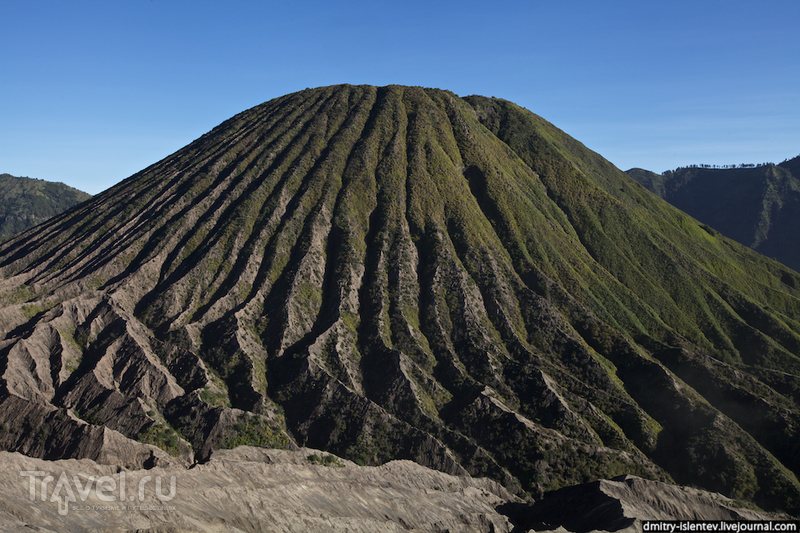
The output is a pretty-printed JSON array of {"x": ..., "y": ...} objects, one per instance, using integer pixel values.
[
  {"x": 26, "y": 202},
  {"x": 756, "y": 205},
  {"x": 399, "y": 273}
]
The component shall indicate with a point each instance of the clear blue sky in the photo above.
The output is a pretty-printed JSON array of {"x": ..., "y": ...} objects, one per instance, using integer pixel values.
[{"x": 93, "y": 91}]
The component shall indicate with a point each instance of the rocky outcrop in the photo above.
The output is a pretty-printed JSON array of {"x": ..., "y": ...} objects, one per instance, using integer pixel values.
[
  {"x": 623, "y": 503},
  {"x": 305, "y": 491},
  {"x": 251, "y": 490}
]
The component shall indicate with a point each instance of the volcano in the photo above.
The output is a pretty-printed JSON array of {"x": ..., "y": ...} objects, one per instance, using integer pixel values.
[{"x": 401, "y": 273}]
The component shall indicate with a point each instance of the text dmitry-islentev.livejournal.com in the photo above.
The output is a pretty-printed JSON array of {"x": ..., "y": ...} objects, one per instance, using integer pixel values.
[{"x": 672, "y": 526}]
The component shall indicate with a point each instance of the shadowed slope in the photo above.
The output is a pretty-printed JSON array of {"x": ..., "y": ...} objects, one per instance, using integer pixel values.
[
  {"x": 757, "y": 206},
  {"x": 399, "y": 273}
]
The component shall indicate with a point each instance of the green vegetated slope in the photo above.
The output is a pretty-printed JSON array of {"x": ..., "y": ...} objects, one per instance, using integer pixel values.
[
  {"x": 758, "y": 206},
  {"x": 25, "y": 202},
  {"x": 397, "y": 272}
]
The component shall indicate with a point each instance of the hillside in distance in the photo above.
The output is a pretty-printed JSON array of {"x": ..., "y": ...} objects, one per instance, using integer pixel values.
[
  {"x": 26, "y": 202},
  {"x": 400, "y": 273},
  {"x": 758, "y": 206}
]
